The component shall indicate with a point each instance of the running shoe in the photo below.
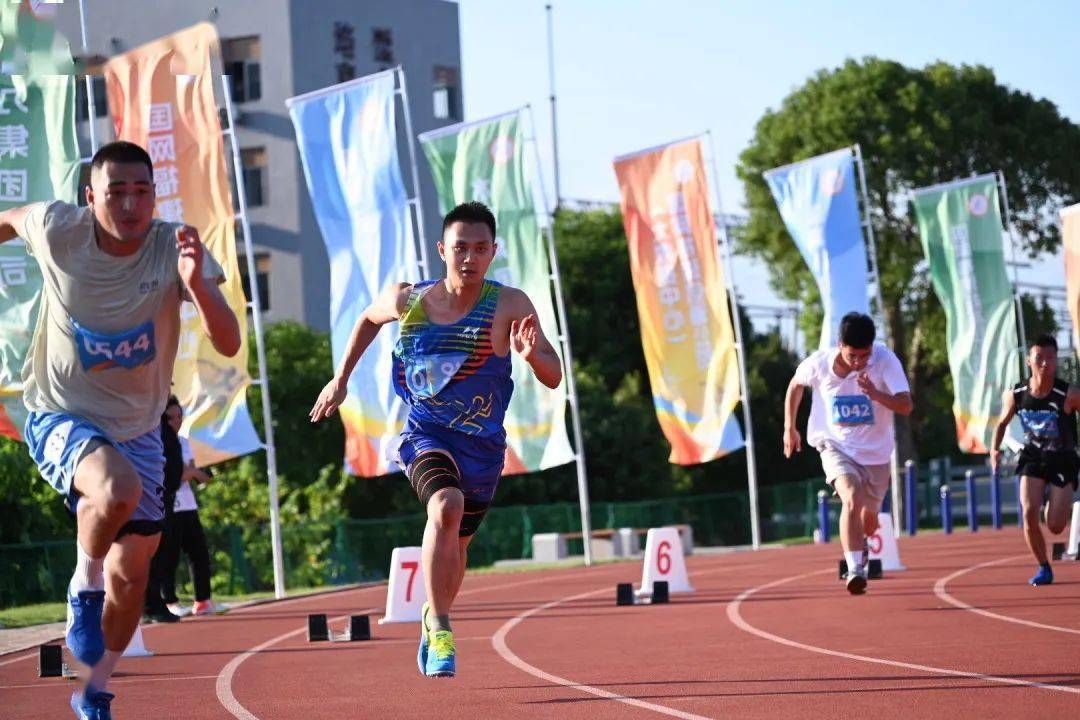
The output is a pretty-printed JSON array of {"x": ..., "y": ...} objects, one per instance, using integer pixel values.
[
  {"x": 84, "y": 636},
  {"x": 1045, "y": 576},
  {"x": 92, "y": 704},
  {"x": 440, "y": 661},
  {"x": 856, "y": 583},
  {"x": 422, "y": 653},
  {"x": 178, "y": 609},
  {"x": 203, "y": 607}
]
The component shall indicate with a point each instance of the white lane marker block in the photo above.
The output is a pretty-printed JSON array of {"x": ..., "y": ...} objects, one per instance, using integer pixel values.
[
  {"x": 664, "y": 560},
  {"x": 136, "y": 646},
  {"x": 1074, "y": 532},
  {"x": 883, "y": 545},
  {"x": 405, "y": 594}
]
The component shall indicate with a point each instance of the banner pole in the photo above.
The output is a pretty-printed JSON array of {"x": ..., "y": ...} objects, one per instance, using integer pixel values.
[
  {"x": 568, "y": 360},
  {"x": 260, "y": 349},
  {"x": 554, "y": 119},
  {"x": 417, "y": 205},
  {"x": 894, "y": 458},
  {"x": 751, "y": 461},
  {"x": 91, "y": 108},
  {"x": 1003, "y": 188}
]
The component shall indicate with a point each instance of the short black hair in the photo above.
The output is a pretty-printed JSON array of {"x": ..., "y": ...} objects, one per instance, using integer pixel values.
[
  {"x": 472, "y": 213},
  {"x": 121, "y": 151},
  {"x": 1043, "y": 340},
  {"x": 857, "y": 330},
  {"x": 173, "y": 400}
]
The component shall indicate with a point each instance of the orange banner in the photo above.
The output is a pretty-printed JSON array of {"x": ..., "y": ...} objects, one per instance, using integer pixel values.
[
  {"x": 1070, "y": 241},
  {"x": 161, "y": 96},
  {"x": 681, "y": 299}
]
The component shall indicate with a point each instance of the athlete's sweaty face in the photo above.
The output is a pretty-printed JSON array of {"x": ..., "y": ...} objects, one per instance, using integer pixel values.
[
  {"x": 468, "y": 250},
  {"x": 855, "y": 358},
  {"x": 1042, "y": 361},
  {"x": 122, "y": 198}
]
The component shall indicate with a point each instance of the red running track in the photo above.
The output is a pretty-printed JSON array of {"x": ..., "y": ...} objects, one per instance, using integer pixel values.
[{"x": 768, "y": 634}]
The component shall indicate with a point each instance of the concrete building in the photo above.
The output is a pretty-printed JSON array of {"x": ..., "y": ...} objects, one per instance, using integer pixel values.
[{"x": 276, "y": 49}]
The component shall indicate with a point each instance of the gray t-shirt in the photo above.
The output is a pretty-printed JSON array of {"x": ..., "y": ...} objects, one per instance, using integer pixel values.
[{"x": 108, "y": 329}]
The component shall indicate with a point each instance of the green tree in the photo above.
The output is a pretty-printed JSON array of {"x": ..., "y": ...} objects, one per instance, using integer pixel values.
[{"x": 916, "y": 127}]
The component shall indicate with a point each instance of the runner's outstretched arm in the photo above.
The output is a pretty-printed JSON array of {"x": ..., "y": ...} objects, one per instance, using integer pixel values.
[
  {"x": 1008, "y": 404},
  {"x": 387, "y": 308},
  {"x": 792, "y": 439}
]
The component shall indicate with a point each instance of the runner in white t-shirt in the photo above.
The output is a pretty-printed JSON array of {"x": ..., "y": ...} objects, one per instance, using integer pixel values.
[{"x": 856, "y": 387}]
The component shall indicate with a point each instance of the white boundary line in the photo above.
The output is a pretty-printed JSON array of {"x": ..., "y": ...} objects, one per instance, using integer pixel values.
[
  {"x": 942, "y": 593},
  {"x": 737, "y": 619}
]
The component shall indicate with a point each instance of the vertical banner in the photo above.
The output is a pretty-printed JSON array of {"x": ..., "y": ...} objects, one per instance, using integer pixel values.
[
  {"x": 682, "y": 304},
  {"x": 962, "y": 237},
  {"x": 161, "y": 96},
  {"x": 485, "y": 161},
  {"x": 348, "y": 145},
  {"x": 1070, "y": 241},
  {"x": 817, "y": 200},
  {"x": 39, "y": 161}
]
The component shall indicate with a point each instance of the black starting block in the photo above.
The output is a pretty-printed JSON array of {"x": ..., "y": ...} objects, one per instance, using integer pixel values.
[
  {"x": 317, "y": 629},
  {"x": 624, "y": 594},
  {"x": 359, "y": 628},
  {"x": 1059, "y": 550},
  {"x": 50, "y": 661},
  {"x": 660, "y": 592},
  {"x": 873, "y": 569}
]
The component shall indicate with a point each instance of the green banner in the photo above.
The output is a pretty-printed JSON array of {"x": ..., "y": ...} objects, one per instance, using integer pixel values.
[
  {"x": 484, "y": 161},
  {"x": 961, "y": 230},
  {"x": 39, "y": 160}
]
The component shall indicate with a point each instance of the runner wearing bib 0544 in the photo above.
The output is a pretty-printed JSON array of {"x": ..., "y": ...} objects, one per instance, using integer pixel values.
[
  {"x": 856, "y": 389},
  {"x": 96, "y": 380}
]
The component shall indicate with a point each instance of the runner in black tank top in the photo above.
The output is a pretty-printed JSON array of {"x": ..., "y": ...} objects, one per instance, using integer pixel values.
[{"x": 1047, "y": 408}]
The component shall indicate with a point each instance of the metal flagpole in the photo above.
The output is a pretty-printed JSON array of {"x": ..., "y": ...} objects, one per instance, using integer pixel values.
[
  {"x": 90, "y": 106},
  {"x": 260, "y": 348},
  {"x": 868, "y": 226},
  {"x": 751, "y": 461},
  {"x": 1000, "y": 176},
  {"x": 554, "y": 119},
  {"x": 414, "y": 202},
  {"x": 568, "y": 360}
]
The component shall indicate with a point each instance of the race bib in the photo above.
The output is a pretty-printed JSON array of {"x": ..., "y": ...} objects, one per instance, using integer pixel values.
[
  {"x": 428, "y": 375},
  {"x": 852, "y": 410},
  {"x": 130, "y": 349}
]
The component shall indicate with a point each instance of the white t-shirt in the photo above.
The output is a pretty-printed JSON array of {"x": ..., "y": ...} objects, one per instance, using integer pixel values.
[
  {"x": 185, "y": 496},
  {"x": 842, "y": 415}
]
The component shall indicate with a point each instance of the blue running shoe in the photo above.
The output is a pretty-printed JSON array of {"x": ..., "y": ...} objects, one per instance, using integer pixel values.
[
  {"x": 421, "y": 654},
  {"x": 84, "y": 636},
  {"x": 92, "y": 704},
  {"x": 440, "y": 661},
  {"x": 1045, "y": 576}
]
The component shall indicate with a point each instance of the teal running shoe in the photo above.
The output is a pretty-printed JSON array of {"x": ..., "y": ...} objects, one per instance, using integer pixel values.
[
  {"x": 422, "y": 653},
  {"x": 441, "y": 652}
]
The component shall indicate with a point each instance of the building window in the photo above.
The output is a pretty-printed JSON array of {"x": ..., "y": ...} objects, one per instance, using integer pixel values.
[
  {"x": 242, "y": 57},
  {"x": 262, "y": 278},
  {"x": 382, "y": 46},
  {"x": 101, "y": 102},
  {"x": 445, "y": 94},
  {"x": 253, "y": 161}
]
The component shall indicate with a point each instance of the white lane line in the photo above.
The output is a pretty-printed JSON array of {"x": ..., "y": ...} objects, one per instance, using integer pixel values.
[
  {"x": 942, "y": 593},
  {"x": 498, "y": 641},
  {"x": 18, "y": 659},
  {"x": 736, "y": 618}
]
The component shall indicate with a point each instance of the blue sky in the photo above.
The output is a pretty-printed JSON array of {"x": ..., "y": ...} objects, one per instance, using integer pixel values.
[{"x": 635, "y": 73}]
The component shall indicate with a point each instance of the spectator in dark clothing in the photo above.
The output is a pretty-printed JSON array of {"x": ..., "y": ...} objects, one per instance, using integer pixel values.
[{"x": 156, "y": 609}]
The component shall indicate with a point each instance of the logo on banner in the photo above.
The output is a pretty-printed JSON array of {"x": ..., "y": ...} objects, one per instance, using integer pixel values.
[
  {"x": 684, "y": 172},
  {"x": 833, "y": 182},
  {"x": 502, "y": 149},
  {"x": 978, "y": 205}
]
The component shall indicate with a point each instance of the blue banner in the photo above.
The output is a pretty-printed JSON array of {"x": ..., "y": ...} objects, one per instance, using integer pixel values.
[
  {"x": 816, "y": 199},
  {"x": 348, "y": 145}
]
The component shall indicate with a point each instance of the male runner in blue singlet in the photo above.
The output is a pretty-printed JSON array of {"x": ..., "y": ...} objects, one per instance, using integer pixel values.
[
  {"x": 1048, "y": 463},
  {"x": 452, "y": 369}
]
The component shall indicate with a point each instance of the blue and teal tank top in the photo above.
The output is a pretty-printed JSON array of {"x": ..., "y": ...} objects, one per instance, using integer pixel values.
[{"x": 449, "y": 375}]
